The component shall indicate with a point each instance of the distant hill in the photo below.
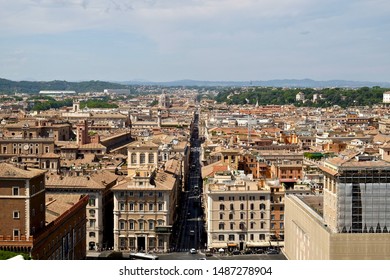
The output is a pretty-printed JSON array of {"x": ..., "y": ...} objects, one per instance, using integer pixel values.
[
  {"x": 8, "y": 86},
  {"x": 303, "y": 83}
]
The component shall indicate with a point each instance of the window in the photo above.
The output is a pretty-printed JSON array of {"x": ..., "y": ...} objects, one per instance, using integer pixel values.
[
  {"x": 133, "y": 158},
  {"x": 252, "y": 206},
  {"x": 230, "y": 216},
  {"x": 16, "y": 214},
  {"x": 92, "y": 213},
  {"x": 231, "y": 198},
  {"x": 231, "y": 226},
  {"x": 122, "y": 225},
  {"x": 151, "y": 158},
  {"x": 251, "y": 237},
  {"x": 231, "y": 237},
  {"x": 15, "y": 190},
  {"x": 92, "y": 235},
  {"x": 262, "y": 206},
  {"x": 92, "y": 222},
  {"x": 131, "y": 225},
  {"x": 261, "y": 215},
  {"x": 150, "y": 206},
  {"x": 160, "y": 206},
  {"x": 251, "y": 197},
  {"x": 142, "y": 158},
  {"x": 241, "y": 198},
  {"x": 262, "y": 236},
  {"x": 242, "y": 206},
  {"x": 16, "y": 233},
  {"x": 221, "y": 198},
  {"x": 141, "y": 194},
  {"x": 160, "y": 194},
  {"x": 281, "y": 216},
  {"x": 241, "y": 216},
  {"x": 131, "y": 193},
  {"x": 242, "y": 226},
  {"x": 141, "y": 225},
  {"x": 121, "y": 206},
  {"x": 241, "y": 237},
  {"x": 92, "y": 201},
  {"x": 151, "y": 225},
  {"x": 252, "y": 215},
  {"x": 252, "y": 225},
  {"x": 160, "y": 222},
  {"x": 221, "y": 237},
  {"x": 232, "y": 207},
  {"x": 281, "y": 225},
  {"x": 221, "y": 207},
  {"x": 141, "y": 207},
  {"x": 221, "y": 226},
  {"x": 221, "y": 216},
  {"x": 131, "y": 206},
  {"x": 272, "y": 225},
  {"x": 272, "y": 217},
  {"x": 262, "y": 225}
]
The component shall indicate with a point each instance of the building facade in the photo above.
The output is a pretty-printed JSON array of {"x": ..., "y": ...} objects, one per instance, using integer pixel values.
[
  {"x": 237, "y": 212},
  {"x": 22, "y": 206}
]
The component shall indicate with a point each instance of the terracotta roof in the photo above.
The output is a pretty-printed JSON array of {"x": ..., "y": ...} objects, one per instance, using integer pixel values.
[
  {"x": 57, "y": 204},
  {"x": 209, "y": 170},
  {"x": 10, "y": 171},
  {"x": 97, "y": 180},
  {"x": 143, "y": 144},
  {"x": 92, "y": 146},
  {"x": 49, "y": 155}
]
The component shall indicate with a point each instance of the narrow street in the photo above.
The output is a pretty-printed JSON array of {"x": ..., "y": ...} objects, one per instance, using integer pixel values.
[{"x": 191, "y": 225}]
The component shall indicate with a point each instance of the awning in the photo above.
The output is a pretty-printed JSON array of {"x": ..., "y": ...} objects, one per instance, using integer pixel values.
[
  {"x": 257, "y": 244},
  {"x": 273, "y": 243},
  {"x": 218, "y": 245},
  {"x": 232, "y": 244}
]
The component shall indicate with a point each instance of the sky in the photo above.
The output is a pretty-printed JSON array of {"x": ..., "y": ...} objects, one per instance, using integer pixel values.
[{"x": 211, "y": 40}]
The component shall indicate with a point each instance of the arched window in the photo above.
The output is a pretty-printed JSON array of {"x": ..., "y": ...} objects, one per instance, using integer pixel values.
[
  {"x": 151, "y": 158},
  {"x": 142, "y": 158},
  {"x": 262, "y": 206},
  {"x": 133, "y": 158},
  {"x": 222, "y": 207}
]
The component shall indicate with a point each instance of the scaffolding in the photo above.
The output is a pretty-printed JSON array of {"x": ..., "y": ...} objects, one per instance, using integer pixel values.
[{"x": 363, "y": 199}]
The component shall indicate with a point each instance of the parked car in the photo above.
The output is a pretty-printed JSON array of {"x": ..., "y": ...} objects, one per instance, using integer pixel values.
[
  {"x": 272, "y": 252},
  {"x": 236, "y": 252},
  {"x": 209, "y": 254}
]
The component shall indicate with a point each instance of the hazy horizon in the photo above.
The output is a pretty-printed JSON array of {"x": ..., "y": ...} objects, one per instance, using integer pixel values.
[{"x": 206, "y": 40}]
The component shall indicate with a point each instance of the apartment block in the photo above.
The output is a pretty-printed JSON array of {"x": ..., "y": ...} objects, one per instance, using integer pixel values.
[{"x": 237, "y": 212}]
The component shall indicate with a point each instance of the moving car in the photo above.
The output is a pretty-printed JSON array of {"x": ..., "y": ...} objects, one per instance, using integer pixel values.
[{"x": 193, "y": 251}]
